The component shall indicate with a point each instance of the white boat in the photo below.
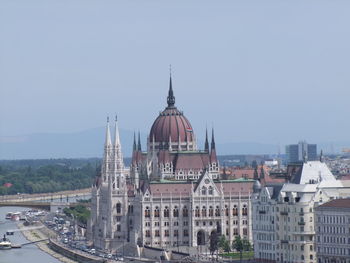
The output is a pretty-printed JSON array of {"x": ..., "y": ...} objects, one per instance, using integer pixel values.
[
  {"x": 8, "y": 215},
  {"x": 5, "y": 243}
]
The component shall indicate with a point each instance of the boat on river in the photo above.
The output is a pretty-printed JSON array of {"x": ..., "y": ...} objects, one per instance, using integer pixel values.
[{"x": 5, "y": 243}]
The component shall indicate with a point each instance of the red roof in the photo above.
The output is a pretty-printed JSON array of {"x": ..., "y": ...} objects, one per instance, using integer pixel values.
[
  {"x": 337, "y": 203},
  {"x": 171, "y": 122},
  {"x": 7, "y": 185}
]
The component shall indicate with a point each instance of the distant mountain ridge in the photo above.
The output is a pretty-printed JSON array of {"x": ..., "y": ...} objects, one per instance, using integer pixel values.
[{"x": 89, "y": 143}]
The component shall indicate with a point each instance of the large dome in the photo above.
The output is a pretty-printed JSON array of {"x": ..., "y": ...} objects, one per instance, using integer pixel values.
[{"x": 171, "y": 123}]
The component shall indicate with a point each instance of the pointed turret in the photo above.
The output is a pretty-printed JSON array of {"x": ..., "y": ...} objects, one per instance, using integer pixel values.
[
  {"x": 108, "y": 140},
  {"x": 212, "y": 139},
  {"x": 134, "y": 144},
  {"x": 213, "y": 157},
  {"x": 139, "y": 143},
  {"x": 171, "y": 97},
  {"x": 118, "y": 156},
  {"x": 206, "y": 145},
  {"x": 321, "y": 156}
]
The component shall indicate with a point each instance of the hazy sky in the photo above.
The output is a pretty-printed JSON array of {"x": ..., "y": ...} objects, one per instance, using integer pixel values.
[{"x": 263, "y": 71}]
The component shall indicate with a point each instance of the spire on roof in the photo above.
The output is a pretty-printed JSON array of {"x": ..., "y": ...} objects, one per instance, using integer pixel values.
[
  {"x": 108, "y": 134},
  {"x": 116, "y": 133},
  {"x": 212, "y": 139},
  {"x": 139, "y": 143},
  {"x": 321, "y": 156},
  {"x": 171, "y": 97},
  {"x": 206, "y": 145},
  {"x": 134, "y": 144}
]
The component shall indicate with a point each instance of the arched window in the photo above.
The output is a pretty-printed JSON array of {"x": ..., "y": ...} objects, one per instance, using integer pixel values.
[
  {"x": 244, "y": 210},
  {"x": 156, "y": 212},
  {"x": 119, "y": 208},
  {"x": 204, "y": 190},
  {"x": 166, "y": 212},
  {"x": 147, "y": 212},
  {"x": 227, "y": 211},
  {"x": 196, "y": 212},
  {"x": 217, "y": 211},
  {"x": 235, "y": 210},
  {"x": 204, "y": 211},
  {"x": 210, "y": 190},
  {"x": 176, "y": 212},
  {"x": 211, "y": 211},
  {"x": 185, "y": 211}
]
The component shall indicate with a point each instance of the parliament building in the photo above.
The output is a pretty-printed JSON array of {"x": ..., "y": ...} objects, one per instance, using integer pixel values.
[{"x": 172, "y": 195}]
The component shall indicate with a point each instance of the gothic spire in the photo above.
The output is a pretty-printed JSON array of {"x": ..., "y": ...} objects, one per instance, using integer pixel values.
[
  {"x": 134, "y": 144},
  {"x": 171, "y": 97},
  {"x": 206, "y": 145},
  {"x": 116, "y": 133},
  {"x": 139, "y": 143},
  {"x": 212, "y": 139},
  {"x": 108, "y": 140}
]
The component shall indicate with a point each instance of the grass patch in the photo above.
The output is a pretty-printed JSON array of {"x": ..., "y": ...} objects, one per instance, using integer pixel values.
[{"x": 235, "y": 255}]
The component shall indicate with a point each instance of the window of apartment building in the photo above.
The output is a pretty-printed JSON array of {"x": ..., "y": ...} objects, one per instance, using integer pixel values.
[
  {"x": 185, "y": 211},
  {"x": 227, "y": 223},
  {"x": 245, "y": 231},
  {"x": 210, "y": 223},
  {"x": 166, "y": 223},
  {"x": 227, "y": 233},
  {"x": 147, "y": 223},
  {"x": 119, "y": 228},
  {"x": 204, "y": 190},
  {"x": 185, "y": 232},
  {"x": 311, "y": 248},
  {"x": 176, "y": 212},
  {"x": 166, "y": 233},
  {"x": 156, "y": 223},
  {"x": 197, "y": 223},
  {"x": 185, "y": 223},
  {"x": 148, "y": 233},
  {"x": 176, "y": 223},
  {"x": 235, "y": 231},
  {"x": 166, "y": 212},
  {"x": 156, "y": 233},
  {"x": 176, "y": 233},
  {"x": 302, "y": 247}
]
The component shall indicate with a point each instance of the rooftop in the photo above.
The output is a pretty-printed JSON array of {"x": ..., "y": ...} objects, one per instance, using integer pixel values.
[{"x": 337, "y": 203}]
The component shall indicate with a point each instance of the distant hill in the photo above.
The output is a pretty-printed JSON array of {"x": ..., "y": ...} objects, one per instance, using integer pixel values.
[{"x": 89, "y": 144}]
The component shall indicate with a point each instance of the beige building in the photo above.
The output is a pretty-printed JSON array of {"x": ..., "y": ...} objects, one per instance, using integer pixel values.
[
  {"x": 283, "y": 215},
  {"x": 333, "y": 232}
]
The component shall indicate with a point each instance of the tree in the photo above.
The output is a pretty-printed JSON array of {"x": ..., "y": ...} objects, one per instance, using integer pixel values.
[
  {"x": 224, "y": 244},
  {"x": 238, "y": 246},
  {"x": 247, "y": 246},
  {"x": 213, "y": 242}
]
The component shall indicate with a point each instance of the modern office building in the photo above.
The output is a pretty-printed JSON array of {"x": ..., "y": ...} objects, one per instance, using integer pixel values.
[{"x": 301, "y": 151}]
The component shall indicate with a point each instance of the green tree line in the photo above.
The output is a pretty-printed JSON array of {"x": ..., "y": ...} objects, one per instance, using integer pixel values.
[{"x": 45, "y": 178}]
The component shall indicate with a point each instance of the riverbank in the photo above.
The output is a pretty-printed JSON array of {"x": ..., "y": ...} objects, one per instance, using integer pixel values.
[
  {"x": 43, "y": 233},
  {"x": 45, "y": 196}
]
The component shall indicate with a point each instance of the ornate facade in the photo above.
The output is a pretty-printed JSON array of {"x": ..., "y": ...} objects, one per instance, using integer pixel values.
[{"x": 173, "y": 196}]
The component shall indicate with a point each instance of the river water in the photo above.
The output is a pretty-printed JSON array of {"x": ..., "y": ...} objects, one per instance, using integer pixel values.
[{"x": 27, "y": 254}]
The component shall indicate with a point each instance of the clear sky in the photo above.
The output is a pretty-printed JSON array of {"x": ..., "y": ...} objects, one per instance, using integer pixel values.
[{"x": 262, "y": 71}]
